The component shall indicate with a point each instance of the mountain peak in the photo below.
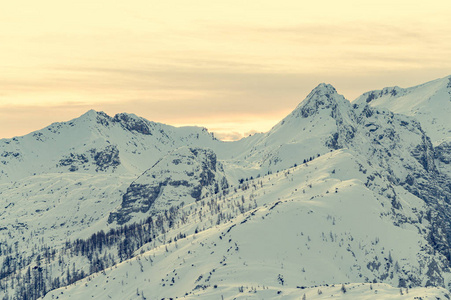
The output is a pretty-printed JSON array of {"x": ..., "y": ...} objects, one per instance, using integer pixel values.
[
  {"x": 97, "y": 116},
  {"x": 324, "y": 88},
  {"x": 92, "y": 113},
  {"x": 322, "y": 96}
]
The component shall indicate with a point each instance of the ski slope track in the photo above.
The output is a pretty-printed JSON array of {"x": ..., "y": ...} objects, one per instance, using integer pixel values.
[{"x": 341, "y": 199}]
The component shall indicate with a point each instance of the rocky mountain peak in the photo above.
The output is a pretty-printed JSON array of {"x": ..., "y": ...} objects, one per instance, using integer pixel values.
[
  {"x": 99, "y": 117},
  {"x": 90, "y": 114},
  {"x": 325, "y": 88},
  {"x": 130, "y": 122},
  {"x": 359, "y": 188},
  {"x": 133, "y": 123},
  {"x": 324, "y": 96}
]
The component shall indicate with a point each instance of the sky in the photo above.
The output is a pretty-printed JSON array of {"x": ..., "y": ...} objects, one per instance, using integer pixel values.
[{"x": 235, "y": 67}]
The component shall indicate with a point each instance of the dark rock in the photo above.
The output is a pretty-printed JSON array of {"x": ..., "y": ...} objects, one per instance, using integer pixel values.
[
  {"x": 187, "y": 173},
  {"x": 133, "y": 123}
]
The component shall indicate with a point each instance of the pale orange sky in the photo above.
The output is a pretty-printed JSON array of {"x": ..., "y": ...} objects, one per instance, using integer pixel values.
[{"x": 234, "y": 66}]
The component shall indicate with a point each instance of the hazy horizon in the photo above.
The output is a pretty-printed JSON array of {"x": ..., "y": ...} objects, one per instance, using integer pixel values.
[{"x": 231, "y": 67}]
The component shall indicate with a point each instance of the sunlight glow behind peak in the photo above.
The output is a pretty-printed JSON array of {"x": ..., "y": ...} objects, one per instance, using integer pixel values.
[{"x": 194, "y": 63}]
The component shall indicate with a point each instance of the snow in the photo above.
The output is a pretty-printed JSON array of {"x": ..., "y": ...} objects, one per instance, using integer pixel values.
[
  {"x": 336, "y": 193},
  {"x": 310, "y": 239},
  {"x": 429, "y": 103}
]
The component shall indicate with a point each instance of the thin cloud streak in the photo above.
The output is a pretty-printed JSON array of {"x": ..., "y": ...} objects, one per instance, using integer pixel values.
[
  {"x": 232, "y": 100},
  {"x": 186, "y": 65},
  {"x": 21, "y": 120}
]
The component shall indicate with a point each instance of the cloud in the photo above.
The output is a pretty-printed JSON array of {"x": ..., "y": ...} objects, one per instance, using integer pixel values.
[
  {"x": 228, "y": 136},
  {"x": 227, "y": 103},
  {"x": 218, "y": 67}
]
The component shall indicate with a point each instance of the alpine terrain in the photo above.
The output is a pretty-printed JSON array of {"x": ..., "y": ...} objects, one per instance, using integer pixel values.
[{"x": 350, "y": 200}]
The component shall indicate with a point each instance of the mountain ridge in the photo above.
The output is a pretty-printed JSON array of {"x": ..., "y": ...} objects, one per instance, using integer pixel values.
[
  {"x": 430, "y": 103},
  {"x": 189, "y": 215}
]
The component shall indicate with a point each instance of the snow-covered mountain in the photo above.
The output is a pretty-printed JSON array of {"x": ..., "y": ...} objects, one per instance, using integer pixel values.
[
  {"x": 337, "y": 195},
  {"x": 95, "y": 142},
  {"x": 312, "y": 225},
  {"x": 429, "y": 103}
]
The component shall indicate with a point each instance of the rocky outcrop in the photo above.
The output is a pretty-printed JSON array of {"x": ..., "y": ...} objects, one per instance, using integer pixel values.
[
  {"x": 100, "y": 159},
  {"x": 106, "y": 158},
  {"x": 443, "y": 152},
  {"x": 133, "y": 123},
  {"x": 185, "y": 175}
]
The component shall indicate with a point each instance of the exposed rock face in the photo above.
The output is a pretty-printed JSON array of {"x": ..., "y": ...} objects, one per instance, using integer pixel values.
[
  {"x": 133, "y": 123},
  {"x": 405, "y": 154},
  {"x": 443, "y": 152},
  {"x": 394, "y": 144},
  {"x": 387, "y": 167},
  {"x": 391, "y": 91},
  {"x": 429, "y": 103},
  {"x": 7, "y": 156},
  {"x": 102, "y": 159},
  {"x": 106, "y": 158},
  {"x": 322, "y": 97},
  {"x": 185, "y": 175},
  {"x": 102, "y": 118}
]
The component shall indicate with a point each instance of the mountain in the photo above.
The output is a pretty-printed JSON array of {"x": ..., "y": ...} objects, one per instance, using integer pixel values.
[
  {"x": 311, "y": 225},
  {"x": 304, "y": 133},
  {"x": 429, "y": 103},
  {"x": 336, "y": 196},
  {"x": 95, "y": 142}
]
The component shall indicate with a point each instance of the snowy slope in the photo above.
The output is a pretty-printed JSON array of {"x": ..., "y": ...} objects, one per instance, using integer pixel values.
[
  {"x": 65, "y": 179},
  {"x": 313, "y": 225},
  {"x": 303, "y": 134},
  {"x": 334, "y": 193},
  {"x": 49, "y": 208}
]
